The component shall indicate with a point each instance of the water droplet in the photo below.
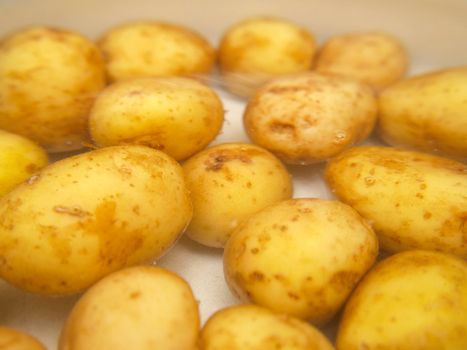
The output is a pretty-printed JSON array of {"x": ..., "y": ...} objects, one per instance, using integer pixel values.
[
  {"x": 33, "y": 179},
  {"x": 370, "y": 180},
  {"x": 340, "y": 137}
]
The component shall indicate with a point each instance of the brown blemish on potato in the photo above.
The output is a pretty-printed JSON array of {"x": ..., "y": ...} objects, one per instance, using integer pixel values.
[
  {"x": 254, "y": 250},
  {"x": 218, "y": 158},
  {"x": 61, "y": 246},
  {"x": 293, "y": 295},
  {"x": 257, "y": 276},
  {"x": 427, "y": 215},
  {"x": 344, "y": 280},
  {"x": 135, "y": 295}
]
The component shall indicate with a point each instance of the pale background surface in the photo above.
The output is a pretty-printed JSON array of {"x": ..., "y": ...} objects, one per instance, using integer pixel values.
[{"x": 434, "y": 31}]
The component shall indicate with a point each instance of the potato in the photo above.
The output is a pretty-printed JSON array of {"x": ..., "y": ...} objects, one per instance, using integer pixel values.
[
  {"x": 376, "y": 58},
  {"x": 48, "y": 80},
  {"x": 302, "y": 257},
  {"x": 149, "y": 48},
  {"x": 251, "y": 327},
  {"x": 86, "y": 216},
  {"x": 307, "y": 118},
  {"x": 12, "y": 339},
  {"x": 142, "y": 308},
  {"x": 413, "y": 200},
  {"x": 259, "y": 48},
  {"x": 412, "y": 300},
  {"x": 229, "y": 183},
  {"x": 427, "y": 112},
  {"x": 176, "y": 115},
  {"x": 19, "y": 159}
]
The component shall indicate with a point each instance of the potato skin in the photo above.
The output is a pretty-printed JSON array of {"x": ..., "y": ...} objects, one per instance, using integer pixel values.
[
  {"x": 427, "y": 112},
  {"x": 260, "y": 48},
  {"x": 376, "y": 58},
  {"x": 48, "y": 80},
  {"x": 411, "y": 301},
  {"x": 251, "y": 327},
  {"x": 176, "y": 115},
  {"x": 19, "y": 159},
  {"x": 302, "y": 257},
  {"x": 307, "y": 118},
  {"x": 148, "y": 48},
  {"x": 142, "y": 307},
  {"x": 228, "y": 183},
  {"x": 88, "y": 215},
  {"x": 413, "y": 200},
  {"x": 12, "y": 339}
]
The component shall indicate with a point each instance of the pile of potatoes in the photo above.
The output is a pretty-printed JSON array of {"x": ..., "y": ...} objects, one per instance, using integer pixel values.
[{"x": 385, "y": 259}]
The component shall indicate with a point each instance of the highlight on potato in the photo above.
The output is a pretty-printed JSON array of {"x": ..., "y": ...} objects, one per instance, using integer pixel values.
[
  {"x": 49, "y": 78},
  {"x": 86, "y": 216}
]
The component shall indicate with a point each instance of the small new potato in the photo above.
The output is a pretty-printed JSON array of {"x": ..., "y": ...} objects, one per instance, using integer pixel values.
[
  {"x": 302, "y": 257},
  {"x": 413, "y": 200},
  {"x": 427, "y": 112},
  {"x": 376, "y": 58},
  {"x": 309, "y": 117},
  {"x": 176, "y": 115},
  {"x": 19, "y": 159},
  {"x": 251, "y": 327},
  {"x": 144, "y": 308},
  {"x": 411, "y": 301},
  {"x": 144, "y": 49},
  {"x": 260, "y": 48},
  {"x": 85, "y": 216},
  {"x": 12, "y": 339},
  {"x": 229, "y": 183},
  {"x": 49, "y": 78}
]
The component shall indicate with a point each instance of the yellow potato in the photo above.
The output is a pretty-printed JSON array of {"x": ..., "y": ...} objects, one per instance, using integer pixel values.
[
  {"x": 251, "y": 327},
  {"x": 142, "y": 49},
  {"x": 427, "y": 112},
  {"x": 142, "y": 308},
  {"x": 376, "y": 58},
  {"x": 19, "y": 159},
  {"x": 302, "y": 257},
  {"x": 412, "y": 300},
  {"x": 229, "y": 183},
  {"x": 257, "y": 49},
  {"x": 86, "y": 216},
  {"x": 413, "y": 200},
  {"x": 176, "y": 115},
  {"x": 307, "y": 118},
  {"x": 12, "y": 339},
  {"x": 48, "y": 80}
]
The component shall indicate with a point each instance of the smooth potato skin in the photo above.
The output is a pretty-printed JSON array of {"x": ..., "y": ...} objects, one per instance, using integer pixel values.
[
  {"x": 19, "y": 159},
  {"x": 301, "y": 257},
  {"x": 414, "y": 300},
  {"x": 413, "y": 200},
  {"x": 251, "y": 327},
  {"x": 176, "y": 115},
  {"x": 375, "y": 58},
  {"x": 427, "y": 112},
  {"x": 143, "y": 49},
  {"x": 310, "y": 117},
  {"x": 228, "y": 183},
  {"x": 49, "y": 78},
  {"x": 260, "y": 48},
  {"x": 12, "y": 339},
  {"x": 142, "y": 308},
  {"x": 83, "y": 217}
]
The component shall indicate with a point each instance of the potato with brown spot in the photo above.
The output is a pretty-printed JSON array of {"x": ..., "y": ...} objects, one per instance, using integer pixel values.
[
  {"x": 260, "y": 48},
  {"x": 178, "y": 116},
  {"x": 12, "y": 339},
  {"x": 251, "y": 327},
  {"x": 149, "y": 49},
  {"x": 75, "y": 223},
  {"x": 413, "y": 200},
  {"x": 307, "y": 270},
  {"x": 374, "y": 58},
  {"x": 142, "y": 308},
  {"x": 229, "y": 183},
  {"x": 19, "y": 159},
  {"x": 427, "y": 112},
  {"x": 310, "y": 117},
  {"x": 412, "y": 300},
  {"x": 48, "y": 80}
]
